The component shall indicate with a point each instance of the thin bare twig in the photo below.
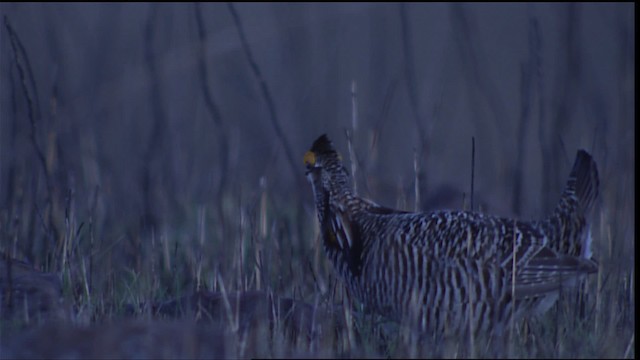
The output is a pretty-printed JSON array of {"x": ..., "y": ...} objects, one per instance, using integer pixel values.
[
  {"x": 473, "y": 165},
  {"x": 33, "y": 105},
  {"x": 568, "y": 87},
  {"x": 216, "y": 116},
  {"x": 416, "y": 180},
  {"x": 265, "y": 93},
  {"x": 155, "y": 140},
  {"x": 156, "y": 180},
  {"x": 384, "y": 114},
  {"x": 473, "y": 68},
  {"x": 351, "y": 134},
  {"x": 409, "y": 74},
  {"x": 25, "y": 74}
]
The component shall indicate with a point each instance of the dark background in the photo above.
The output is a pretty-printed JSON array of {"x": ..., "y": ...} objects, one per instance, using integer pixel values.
[{"x": 130, "y": 120}]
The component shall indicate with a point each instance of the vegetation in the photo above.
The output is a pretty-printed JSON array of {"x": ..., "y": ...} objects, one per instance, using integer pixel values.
[{"x": 151, "y": 204}]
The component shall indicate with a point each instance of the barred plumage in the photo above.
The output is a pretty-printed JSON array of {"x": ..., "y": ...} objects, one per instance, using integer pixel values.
[{"x": 451, "y": 270}]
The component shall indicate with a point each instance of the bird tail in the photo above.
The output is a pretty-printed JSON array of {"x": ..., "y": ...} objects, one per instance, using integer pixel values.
[
  {"x": 568, "y": 230},
  {"x": 583, "y": 182}
]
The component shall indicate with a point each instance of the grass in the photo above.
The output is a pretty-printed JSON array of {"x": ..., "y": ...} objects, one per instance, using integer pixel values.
[{"x": 594, "y": 322}]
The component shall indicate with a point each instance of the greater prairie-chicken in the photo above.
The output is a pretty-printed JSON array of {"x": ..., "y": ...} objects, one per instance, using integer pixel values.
[{"x": 451, "y": 271}]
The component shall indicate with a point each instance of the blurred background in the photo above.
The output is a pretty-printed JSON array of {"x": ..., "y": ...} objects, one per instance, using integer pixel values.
[{"x": 135, "y": 136}]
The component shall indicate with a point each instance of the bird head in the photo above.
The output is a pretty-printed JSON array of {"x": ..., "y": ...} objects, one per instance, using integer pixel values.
[{"x": 324, "y": 165}]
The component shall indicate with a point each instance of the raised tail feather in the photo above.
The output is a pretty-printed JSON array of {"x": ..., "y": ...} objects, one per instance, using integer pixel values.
[
  {"x": 584, "y": 181},
  {"x": 568, "y": 229}
]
